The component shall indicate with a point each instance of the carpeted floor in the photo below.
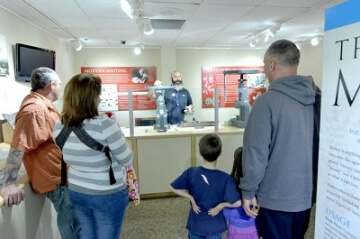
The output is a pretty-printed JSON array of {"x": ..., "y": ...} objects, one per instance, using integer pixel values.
[{"x": 164, "y": 218}]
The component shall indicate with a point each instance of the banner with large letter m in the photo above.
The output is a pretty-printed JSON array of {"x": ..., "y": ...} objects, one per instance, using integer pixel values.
[{"x": 338, "y": 190}]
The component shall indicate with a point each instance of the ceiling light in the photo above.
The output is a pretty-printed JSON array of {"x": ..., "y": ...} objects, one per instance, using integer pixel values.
[
  {"x": 148, "y": 29},
  {"x": 266, "y": 37},
  {"x": 273, "y": 30},
  {"x": 77, "y": 44},
  {"x": 128, "y": 7},
  {"x": 315, "y": 41},
  {"x": 270, "y": 32},
  {"x": 265, "y": 34},
  {"x": 254, "y": 42},
  {"x": 145, "y": 25},
  {"x": 137, "y": 50}
]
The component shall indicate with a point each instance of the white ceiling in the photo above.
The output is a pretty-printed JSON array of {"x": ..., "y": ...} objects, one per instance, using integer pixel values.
[{"x": 208, "y": 23}]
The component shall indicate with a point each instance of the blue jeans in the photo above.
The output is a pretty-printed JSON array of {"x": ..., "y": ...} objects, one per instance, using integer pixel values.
[
  {"x": 67, "y": 221},
  {"x": 216, "y": 236},
  {"x": 282, "y": 225},
  {"x": 101, "y": 216}
]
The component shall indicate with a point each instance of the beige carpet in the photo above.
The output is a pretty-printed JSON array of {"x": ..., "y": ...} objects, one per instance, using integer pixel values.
[{"x": 164, "y": 218}]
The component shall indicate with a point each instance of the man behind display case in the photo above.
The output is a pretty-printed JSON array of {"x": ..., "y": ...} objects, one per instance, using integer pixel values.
[{"x": 177, "y": 100}]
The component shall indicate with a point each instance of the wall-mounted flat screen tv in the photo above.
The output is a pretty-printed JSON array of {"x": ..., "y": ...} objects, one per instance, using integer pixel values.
[{"x": 29, "y": 58}]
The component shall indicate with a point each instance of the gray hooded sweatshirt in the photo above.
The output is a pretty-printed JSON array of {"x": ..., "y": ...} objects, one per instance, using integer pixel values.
[{"x": 278, "y": 144}]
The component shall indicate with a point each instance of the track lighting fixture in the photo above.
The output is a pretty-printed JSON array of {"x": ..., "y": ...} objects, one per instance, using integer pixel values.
[
  {"x": 138, "y": 49},
  {"x": 145, "y": 26},
  {"x": 265, "y": 34},
  {"x": 254, "y": 42},
  {"x": 148, "y": 29},
  {"x": 77, "y": 44},
  {"x": 315, "y": 41},
  {"x": 134, "y": 8},
  {"x": 271, "y": 31},
  {"x": 128, "y": 7}
]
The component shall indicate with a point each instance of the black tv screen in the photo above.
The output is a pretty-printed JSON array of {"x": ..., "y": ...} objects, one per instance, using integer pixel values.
[{"x": 29, "y": 58}]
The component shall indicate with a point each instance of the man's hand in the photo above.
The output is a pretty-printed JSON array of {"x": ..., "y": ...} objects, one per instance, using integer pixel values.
[
  {"x": 247, "y": 205},
  {"x": 158, "y": 83},
  {"x": 12, "y": 195}
]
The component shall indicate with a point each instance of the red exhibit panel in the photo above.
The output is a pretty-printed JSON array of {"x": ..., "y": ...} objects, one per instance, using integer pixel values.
[
  {"x": 116, "y": 83},
  {"x": 213, "y": 77}
]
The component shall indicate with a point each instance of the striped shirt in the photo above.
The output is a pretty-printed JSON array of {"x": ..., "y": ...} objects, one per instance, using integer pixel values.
[{"x": 89, "y": 169}]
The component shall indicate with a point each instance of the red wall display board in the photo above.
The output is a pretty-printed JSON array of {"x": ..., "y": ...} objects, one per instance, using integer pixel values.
[
  {"x": 213, "y": 77},
  {"x": 117, "y": 81}
]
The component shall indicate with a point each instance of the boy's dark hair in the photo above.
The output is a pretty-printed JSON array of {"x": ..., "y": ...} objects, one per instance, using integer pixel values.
[
  {"x": 236, "y": 172},
  {"x": 210, "y": 147}
]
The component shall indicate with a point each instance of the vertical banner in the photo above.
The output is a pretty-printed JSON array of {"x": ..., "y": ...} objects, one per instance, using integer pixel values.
[
  {"x": 338, "y": 191},
  {"x": 213, "y": 77},
  {"x": 117, "y": 81}
]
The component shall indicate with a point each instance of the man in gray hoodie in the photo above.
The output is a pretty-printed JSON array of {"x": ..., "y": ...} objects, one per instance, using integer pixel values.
[{"x": 278, "y": 148}]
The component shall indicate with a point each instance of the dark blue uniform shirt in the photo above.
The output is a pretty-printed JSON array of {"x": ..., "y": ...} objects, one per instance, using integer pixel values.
[{"x": 176, "y": 102}]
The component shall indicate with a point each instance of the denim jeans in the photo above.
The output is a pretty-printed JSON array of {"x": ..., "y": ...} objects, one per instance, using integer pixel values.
[
  {"x": 67, "y": 220},
  {"x": 101, "y": 216},
  {"x": 216, "y": 236},
  {"x": 283, "y": 225}
]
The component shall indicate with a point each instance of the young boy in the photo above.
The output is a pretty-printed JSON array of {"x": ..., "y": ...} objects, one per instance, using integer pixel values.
[{"x": 206, "y": 187}]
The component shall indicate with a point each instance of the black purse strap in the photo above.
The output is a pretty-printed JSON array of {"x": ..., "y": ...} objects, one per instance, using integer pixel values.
[
  {"x": 60, "y": 141},
  {"x": 92, "y": 143},
  {"x": 87, "y": 140}
]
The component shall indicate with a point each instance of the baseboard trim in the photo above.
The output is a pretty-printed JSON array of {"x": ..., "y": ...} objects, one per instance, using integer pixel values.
[{"x": 157, "y": 195}]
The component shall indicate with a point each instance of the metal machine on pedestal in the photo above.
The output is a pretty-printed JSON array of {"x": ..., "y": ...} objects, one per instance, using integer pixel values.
[
  {"x": 161, "y": 111},
  {"x": 242, "y": 103}
]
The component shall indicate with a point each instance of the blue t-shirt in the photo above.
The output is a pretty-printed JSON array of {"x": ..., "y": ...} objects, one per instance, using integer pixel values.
[
  {"x": 176, "y": 102},
  {"x": 209, "y": 187}
]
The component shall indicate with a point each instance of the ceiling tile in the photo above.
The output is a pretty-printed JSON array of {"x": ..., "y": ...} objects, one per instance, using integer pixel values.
[
  {"x": 225, "y": 23},
  {"x": 235, "y": 2},
  {"x": 221, "y": 12},
  {"x": 294, "y": 3}
]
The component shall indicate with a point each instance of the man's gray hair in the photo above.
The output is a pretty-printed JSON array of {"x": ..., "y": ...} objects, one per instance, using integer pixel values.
[
  {"x": 285, "y": 52},
  {"x": 42, "y": 77}
]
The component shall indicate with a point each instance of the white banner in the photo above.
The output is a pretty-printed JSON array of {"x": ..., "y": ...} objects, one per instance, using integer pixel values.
[{"x": 338, "y": 195}]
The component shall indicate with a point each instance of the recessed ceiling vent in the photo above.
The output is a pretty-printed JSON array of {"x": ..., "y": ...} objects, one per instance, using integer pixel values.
[{"x": 167, "y": 24}]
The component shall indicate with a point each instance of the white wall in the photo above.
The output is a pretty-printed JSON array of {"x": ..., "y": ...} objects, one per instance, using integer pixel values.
[
  {"x": 23, "y": 221},
  {"x": 311, "y": 62},
  {"x": 15, "y": 31}
]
